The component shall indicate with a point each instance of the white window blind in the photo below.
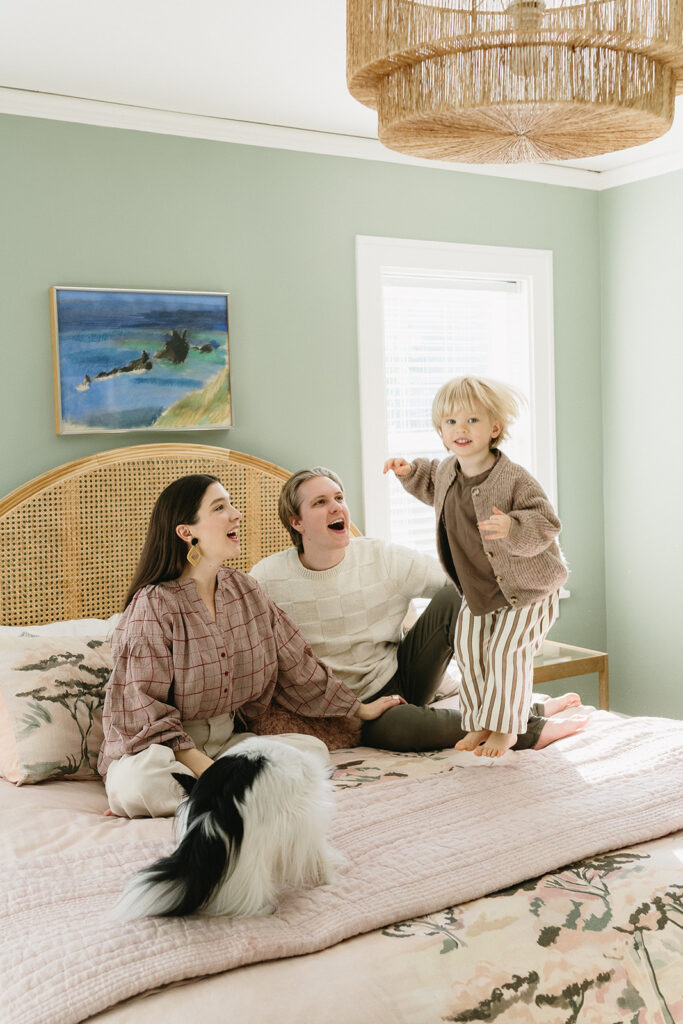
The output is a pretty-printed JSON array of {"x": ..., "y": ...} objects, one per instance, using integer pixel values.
[
  {"x": 436, "y": 329},
  {"x": 428, "y": 312}
]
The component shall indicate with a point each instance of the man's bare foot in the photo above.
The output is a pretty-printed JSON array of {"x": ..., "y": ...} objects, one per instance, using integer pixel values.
[
  {"x": 553, "y": 731},
  {"x": 473, "y": 739},
  {"x": 497, "y": 744},
  {"x": 554, "y": 705}
]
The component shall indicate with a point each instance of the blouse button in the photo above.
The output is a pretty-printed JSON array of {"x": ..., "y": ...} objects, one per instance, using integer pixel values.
[
  {"x": 475, "y": 492},
  {"x": 225, "y": 690},
  {"x": 226, "y": 673},
  {"x": 222, "y": 654}
]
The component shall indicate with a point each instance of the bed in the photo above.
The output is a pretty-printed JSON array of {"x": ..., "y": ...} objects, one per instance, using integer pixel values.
[{"x": 548, "y": 887}]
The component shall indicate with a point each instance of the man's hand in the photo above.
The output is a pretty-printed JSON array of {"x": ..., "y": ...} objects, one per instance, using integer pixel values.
[
  {"x": 399, "y": 466},
  {"x": 497, "y": 527}
]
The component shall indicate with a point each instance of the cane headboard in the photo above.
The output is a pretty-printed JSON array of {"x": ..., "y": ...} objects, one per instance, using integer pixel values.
[{"x": 71, "y": 538}]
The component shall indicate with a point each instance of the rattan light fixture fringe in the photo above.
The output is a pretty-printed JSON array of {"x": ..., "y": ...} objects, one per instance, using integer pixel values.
[{"x": 508, "y": 81}]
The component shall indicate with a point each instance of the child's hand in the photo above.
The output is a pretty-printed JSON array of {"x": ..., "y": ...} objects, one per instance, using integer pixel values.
[
  {"x": 497, "y": 527},
  {"x": 399, "y": 466}
]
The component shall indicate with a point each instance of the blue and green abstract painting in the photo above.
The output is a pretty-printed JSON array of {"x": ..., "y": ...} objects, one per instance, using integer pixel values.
[{"x": 129, "y": 360}]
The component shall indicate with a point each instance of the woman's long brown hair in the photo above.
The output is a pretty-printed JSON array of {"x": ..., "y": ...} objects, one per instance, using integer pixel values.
[{"x": 164, "y": 554}]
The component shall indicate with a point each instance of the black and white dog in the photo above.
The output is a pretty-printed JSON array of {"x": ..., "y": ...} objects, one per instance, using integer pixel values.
[{"x": 253, "y": 824}]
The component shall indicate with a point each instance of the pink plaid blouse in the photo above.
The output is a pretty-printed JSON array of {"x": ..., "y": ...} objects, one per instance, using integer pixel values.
[{"x": 172, "y": 662}]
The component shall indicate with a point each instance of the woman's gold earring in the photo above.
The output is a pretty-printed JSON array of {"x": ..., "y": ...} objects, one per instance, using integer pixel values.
[{"x": 194, "y": 555}]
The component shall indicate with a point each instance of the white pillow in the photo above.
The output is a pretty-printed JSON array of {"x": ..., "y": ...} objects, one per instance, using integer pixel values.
[{"x": 72, "y": 627}]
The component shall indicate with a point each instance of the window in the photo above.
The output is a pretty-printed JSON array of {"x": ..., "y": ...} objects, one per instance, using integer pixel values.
[{"x": 431, "y": 311}]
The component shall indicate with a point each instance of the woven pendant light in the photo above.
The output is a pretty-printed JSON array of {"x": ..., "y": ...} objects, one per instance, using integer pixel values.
[{"x": 508, "y": 81}]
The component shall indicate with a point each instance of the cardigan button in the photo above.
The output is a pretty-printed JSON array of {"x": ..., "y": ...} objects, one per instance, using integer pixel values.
[
  {"x": 475, "y": 492},
  {"x": 499, "y": 579},
  {"x": 489, "y": 554},
  {"x": 513, "y": 600}
]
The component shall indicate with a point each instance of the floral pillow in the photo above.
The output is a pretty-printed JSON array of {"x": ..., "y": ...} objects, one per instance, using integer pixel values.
[
  {"x": 51, "y": 697},
  {"x": 102, "y": 628}
]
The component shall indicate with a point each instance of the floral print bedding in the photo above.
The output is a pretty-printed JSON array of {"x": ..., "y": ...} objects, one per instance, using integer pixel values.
[{"x": 598, "y": 942}]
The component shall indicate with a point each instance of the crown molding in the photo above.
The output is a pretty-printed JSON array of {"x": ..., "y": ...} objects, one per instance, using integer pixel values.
[
  {"x": 54, "y": 107},
  {"x": 640, "y": 170}
]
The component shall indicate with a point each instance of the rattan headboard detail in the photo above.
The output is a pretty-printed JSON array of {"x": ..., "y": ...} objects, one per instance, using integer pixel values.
[{"x": 71, "y": 538}]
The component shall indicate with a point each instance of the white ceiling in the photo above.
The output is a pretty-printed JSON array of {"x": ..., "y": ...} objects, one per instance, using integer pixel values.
[{"x": 263, "y": 63}]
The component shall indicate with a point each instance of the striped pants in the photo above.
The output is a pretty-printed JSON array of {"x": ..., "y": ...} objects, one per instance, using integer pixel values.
[{"x": 495, "y": 654}]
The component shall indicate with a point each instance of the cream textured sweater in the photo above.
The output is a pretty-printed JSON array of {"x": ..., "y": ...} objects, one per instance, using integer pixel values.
[{"x": 351, "y": 614}]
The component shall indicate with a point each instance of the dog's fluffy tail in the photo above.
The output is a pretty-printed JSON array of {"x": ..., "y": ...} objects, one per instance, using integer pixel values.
[
  {"x": 180, "y": 883},
  {"x": 185, "y": 881}
]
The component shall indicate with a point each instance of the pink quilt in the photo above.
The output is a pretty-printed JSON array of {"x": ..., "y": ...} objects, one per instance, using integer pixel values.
[{"x": 413, "y": 847}]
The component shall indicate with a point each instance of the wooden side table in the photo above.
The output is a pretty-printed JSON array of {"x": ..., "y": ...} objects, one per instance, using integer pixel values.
[{"x": 560, "y": 661}]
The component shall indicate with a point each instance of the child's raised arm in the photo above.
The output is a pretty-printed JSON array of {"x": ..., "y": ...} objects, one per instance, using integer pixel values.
[
  {"x": 399, "y": 466},
  {"x": 416, "y": 477}
]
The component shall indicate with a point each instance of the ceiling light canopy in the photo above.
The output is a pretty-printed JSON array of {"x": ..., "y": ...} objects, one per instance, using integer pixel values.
[{"x": 508, "y": 81}]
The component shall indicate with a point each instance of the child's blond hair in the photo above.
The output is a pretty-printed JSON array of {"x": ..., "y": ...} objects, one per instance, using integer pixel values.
[{"x": 501, "y": 402}]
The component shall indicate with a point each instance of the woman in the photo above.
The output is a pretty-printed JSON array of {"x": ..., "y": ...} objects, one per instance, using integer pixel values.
[{"x": 196, "y": 643}]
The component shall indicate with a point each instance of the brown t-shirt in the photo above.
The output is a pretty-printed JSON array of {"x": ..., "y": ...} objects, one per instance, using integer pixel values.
[{"x": 472, "y": 567}]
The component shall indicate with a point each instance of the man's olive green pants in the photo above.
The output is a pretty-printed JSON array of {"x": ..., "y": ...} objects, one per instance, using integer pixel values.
[{"x": 423, "y": 656}]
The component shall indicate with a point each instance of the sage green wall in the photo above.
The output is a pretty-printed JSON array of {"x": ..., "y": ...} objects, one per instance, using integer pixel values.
[
  {"x": 642, "y": 274},
  {"x": 94, "y": 206}
]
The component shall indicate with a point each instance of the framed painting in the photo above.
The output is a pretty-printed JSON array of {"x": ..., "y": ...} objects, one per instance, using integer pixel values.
[{"x": 140, "y": 360}]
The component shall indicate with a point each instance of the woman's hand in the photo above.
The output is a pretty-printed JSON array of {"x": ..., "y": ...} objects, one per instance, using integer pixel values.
[
  {"x": 399, "y": 466},
  {"x": 194, "y": 759},
  {"x": 367, "y": 712}
]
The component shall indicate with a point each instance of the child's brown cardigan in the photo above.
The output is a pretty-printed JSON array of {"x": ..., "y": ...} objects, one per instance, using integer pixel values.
[{"x": 528, "y": 564}]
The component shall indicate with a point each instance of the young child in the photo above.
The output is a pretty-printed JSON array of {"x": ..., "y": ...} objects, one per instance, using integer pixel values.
[{"x": 497, "y": 540}]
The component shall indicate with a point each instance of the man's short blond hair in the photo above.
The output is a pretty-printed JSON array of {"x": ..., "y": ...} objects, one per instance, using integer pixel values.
[
  {"x": 501, "y": 402},
  {"x": 289, "y": 504}
]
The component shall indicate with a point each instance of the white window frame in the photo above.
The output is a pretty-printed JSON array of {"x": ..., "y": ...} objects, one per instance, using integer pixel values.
[{"x": 533, "y": 266}]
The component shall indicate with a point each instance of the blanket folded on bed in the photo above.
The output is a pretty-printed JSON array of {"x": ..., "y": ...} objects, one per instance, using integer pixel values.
[{"x": 412, "y": 847}]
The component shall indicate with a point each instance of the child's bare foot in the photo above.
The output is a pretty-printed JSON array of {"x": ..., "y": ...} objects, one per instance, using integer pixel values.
[
  {"x": 473, "y": 739},
  {"x": 497, "y": 744},
  {"x": 552, "y": 731},
  {"x": 554, "y": 705}
]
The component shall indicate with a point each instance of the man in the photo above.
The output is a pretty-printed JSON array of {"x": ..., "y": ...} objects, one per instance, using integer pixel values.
[{"x": 349, "y": 597}]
